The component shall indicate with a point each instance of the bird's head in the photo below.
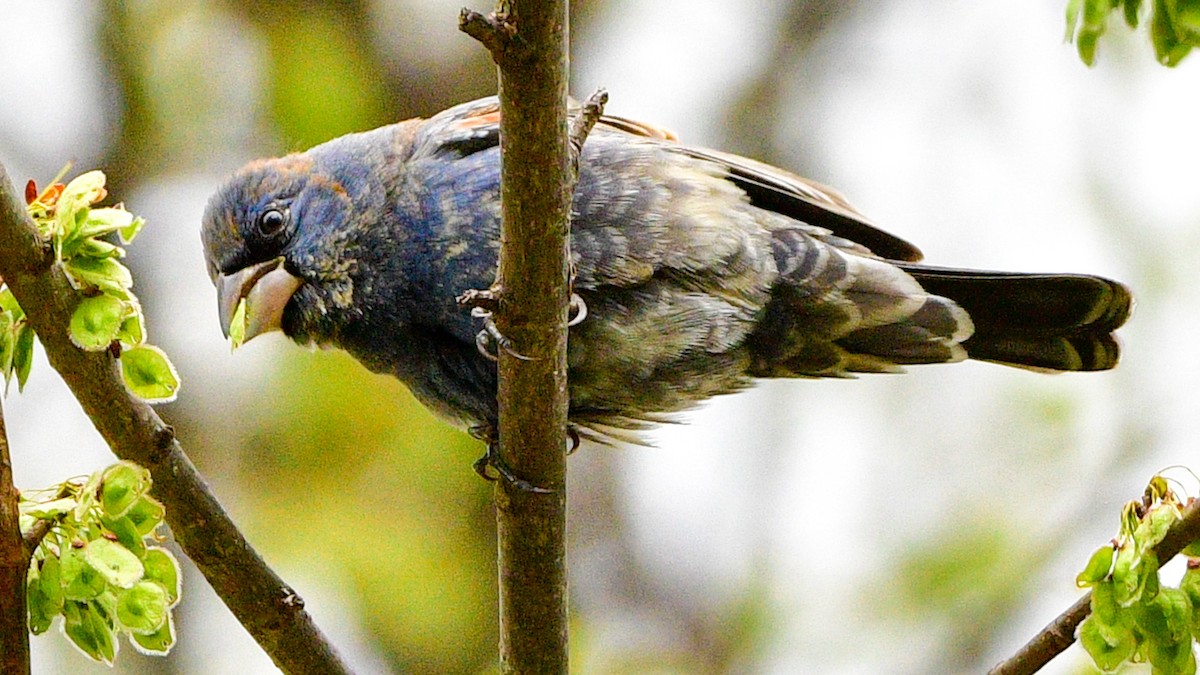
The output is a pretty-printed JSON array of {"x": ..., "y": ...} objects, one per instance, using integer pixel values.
[{"x": 280, "y": 235}]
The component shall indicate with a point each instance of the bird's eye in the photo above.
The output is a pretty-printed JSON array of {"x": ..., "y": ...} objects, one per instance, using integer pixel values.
[{"x": 271, "y": 222}]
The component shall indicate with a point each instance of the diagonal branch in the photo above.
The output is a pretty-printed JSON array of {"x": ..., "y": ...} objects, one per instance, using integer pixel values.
[
  {"x": 268, "y": 608},
  {"x": 1060, "y": 633},
  {"x": 14, "y": 565}
]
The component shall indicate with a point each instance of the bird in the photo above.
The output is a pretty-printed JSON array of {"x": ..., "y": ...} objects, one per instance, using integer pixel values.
[{"x": 700, "y": 271}]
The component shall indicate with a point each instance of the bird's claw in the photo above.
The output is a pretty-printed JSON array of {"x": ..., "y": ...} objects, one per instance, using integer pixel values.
[
  {"x": 574, "y": 438},
  {"x": 577, "y": 311},
  {"x": 491, "y": 459},
  {"x": 491, "y": 336}
]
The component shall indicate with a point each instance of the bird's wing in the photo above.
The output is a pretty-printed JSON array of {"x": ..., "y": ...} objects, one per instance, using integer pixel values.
[
  {"x": 810, "y": 202},
  {"x": 475, "y": 126}
]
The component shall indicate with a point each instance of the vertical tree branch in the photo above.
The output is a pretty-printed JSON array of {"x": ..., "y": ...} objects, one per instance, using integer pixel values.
[
  {"x": 528, "y": 41},
  {"x": 14, "y": 565},
  {"x": 269, "y": 610}
]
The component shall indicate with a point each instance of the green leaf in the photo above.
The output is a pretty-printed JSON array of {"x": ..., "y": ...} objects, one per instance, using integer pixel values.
[
  {"x": 126, "y": 533},
  {"x": 80, "y": 580},
  {"x": 1187, "y": 20},
  {"x": 103, "y": 273},
  {"x": 1155, "y": 525},
  {"x": 105, "y": 605},
  {"x": 1129, "y": 519},
  {"x": 145, "y": 514},
  {"x": 157, "y": 644},
  {"x": 1104, "y": 604},
  {"x": 1149, "y": 577},
  {"x": 52, "y": 584},
  {"x": 1131, "y": 12},
  {"x": 83, "y": 191},
  {"x": 1171, "y": 658},
  {"x": 133, "y": 330},
  {"x": 88, "y": 496},
  {"x": 237, "y": 327},
  {"x": 88, "y": 630},
  {"x": 1086, "y": 46},
  {"x": 1095, "y": 14},
  {"x": 1166, "y": 622},
  {"x": 130, "y": 231},
  {"x": 121, "y": 485},
  {"x": 1125, "y": 576},
  {"x": 95, "y": 248},
  {"x": 142, "y": 609},
  {"x": 49, "y": 510},
  {"x": 1168, "y": 46},
  {"x": 1176, "y": 608},
  {"x": 23, "y": 355},
  {"x": 8, "y": 344},
  {"x": 163, "y": 568},
  {"x": 102, "y": 221},
  {"x": 44, "y": 594},
  {"x": 115, "y": 289},
  {"x": 95, "y": 323},
  {"x": 1190, "y": 583},
  {"x": 41, "y": 610},
  {"x": 1097, "y": 568},
  {"x": 8, "y": 303},
  {"x": 1109, "y": 649},
  {"x": 149, "y": 374},
  {"x": 1073, "y": 9},
  {"x": 116, "y": 564}
]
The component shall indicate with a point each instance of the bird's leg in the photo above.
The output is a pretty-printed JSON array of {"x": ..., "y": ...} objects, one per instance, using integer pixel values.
[
  {"x": 577, "y": 311},
  {"x": 573, "y": 437},
  {"x": 491, "y": 459}
]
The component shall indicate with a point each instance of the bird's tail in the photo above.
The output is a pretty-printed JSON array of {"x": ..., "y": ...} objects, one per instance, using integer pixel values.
[{"x": 1057, "y": 322}]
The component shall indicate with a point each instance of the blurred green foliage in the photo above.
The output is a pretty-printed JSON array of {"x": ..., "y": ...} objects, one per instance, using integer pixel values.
[
  {"x": 965, "y": 574},
  {"x": 364, "y": 476},
  {"x": 375, "y": 493},
  {"x": 1174, "y": 25},
  {"x": 339, "y": 89}
]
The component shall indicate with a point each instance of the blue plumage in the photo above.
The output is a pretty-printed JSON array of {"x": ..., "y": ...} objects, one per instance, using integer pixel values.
[{"x": 701, "y": 271}]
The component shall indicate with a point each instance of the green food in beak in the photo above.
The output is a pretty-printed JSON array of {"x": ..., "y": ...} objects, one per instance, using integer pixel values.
[{"x": 265, "y": 288}]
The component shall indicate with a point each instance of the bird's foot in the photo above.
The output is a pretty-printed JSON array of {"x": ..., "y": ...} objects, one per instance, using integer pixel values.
[
  {"x": 491, "y": 337},
  {"x": 475, "y": 298},
  {"x": 491, "y": 459},
  {"x": 490, "y": 340}
]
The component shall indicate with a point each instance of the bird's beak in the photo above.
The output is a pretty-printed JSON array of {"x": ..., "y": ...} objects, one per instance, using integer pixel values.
[{"x": 267, "y": 287}]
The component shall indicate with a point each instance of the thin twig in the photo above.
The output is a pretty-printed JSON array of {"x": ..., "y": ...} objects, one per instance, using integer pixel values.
[
  {"x": 494, "y": 30},
  {"x": 1060, "y": 633},
  {"x": 33, "y": 538},
  {"x": 269, "y": 610}
]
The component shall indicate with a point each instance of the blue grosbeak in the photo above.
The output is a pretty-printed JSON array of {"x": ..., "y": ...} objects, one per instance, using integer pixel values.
[{"x": 700, "y": 270}]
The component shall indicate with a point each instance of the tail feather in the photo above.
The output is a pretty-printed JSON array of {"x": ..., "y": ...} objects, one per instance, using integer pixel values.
[{"x": 1041, "y": 321}]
